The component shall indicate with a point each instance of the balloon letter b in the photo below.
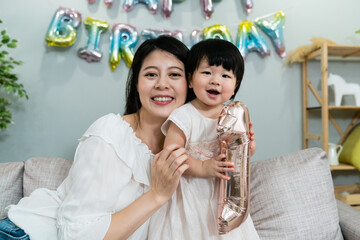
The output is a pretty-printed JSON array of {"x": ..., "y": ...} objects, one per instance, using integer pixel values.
[
  {"x": 62, "y": 31},
  {"x": 274, "y": 30},
  {"x": 249, "y": 39},
  {"x": 91, "y": 51},
  {"x": 123, "y": 40}
]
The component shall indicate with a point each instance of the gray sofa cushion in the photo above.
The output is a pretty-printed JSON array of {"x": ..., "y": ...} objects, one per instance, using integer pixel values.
[
  {"x": 292, "y": 197},
  {"x": 349, "y": 221},
  {"x": 45, "y": 172},
  {"x": 11, "y": 180}
]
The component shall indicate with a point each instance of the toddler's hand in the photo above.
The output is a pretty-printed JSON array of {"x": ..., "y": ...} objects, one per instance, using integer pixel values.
[
  {"x": 252, "y": 140},
  {"x": 216, "y": 167}
]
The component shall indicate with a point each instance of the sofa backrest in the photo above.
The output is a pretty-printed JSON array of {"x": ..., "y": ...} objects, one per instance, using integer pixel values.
[{"x": 20, "y": 179}]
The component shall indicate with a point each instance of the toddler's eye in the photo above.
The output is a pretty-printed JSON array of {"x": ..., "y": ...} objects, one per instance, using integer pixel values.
[
  {"x": 226, "y": 76},
  {"x": 206, "y": 72}
]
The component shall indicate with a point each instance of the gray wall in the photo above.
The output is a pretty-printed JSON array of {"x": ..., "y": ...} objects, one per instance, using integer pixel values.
[{"x": 67, "y": 94}]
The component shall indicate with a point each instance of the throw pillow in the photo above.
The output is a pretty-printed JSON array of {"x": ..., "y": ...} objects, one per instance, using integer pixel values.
[
  {"x": 11, "y": 179},
  {"x": 351, "y": 148},
  {"x": 292, "y": 197},
  {"x": 44, "y": 172}
]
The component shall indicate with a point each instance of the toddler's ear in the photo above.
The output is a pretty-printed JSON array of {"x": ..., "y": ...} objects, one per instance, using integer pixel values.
[{"x": 190, "y": 81}]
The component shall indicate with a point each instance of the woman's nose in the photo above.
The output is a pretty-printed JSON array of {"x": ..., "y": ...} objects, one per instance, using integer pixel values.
[{"x": 162, "y": 83}]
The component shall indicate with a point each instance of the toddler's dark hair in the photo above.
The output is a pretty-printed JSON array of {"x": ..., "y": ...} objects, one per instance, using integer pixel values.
[{"x": 217, "y": 52}]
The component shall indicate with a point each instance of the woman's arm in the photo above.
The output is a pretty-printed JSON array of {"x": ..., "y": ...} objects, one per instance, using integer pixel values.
[{"x": 166, "y": 170}]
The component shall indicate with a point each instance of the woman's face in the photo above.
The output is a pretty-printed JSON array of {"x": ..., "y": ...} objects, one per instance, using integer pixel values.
[{"x": 162, "y": 84}]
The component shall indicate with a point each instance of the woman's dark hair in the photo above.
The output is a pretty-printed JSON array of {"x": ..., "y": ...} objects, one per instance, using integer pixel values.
[
  {"x": 217, "y": 52},
  {"x": 164, "y": 43}
]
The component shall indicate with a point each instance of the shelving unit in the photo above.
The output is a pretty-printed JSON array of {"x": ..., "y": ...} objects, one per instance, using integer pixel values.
[{"x": 325, "y": 53}]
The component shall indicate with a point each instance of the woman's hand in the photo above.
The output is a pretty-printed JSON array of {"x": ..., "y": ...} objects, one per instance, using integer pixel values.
[
  {"x": 168, "y": 166},
  {"x": 252, "y": 140}
]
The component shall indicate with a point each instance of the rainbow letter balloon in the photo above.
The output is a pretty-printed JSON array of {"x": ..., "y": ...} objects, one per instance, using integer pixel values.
[
  {"x": 123, "y": 40},
  {"x": 274, "y": 29},
  {"x": 152, "y": 33},
  {"x": 151, "y": 4},
  {"x": 249, "y": 39},
  {"x": 91, "y": 51},
  {"x": 217, "y": 31},
  {"x": 62, "y": 31}
]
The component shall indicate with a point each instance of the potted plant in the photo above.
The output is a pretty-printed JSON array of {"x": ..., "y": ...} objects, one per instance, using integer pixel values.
[{"x": 10, "y": 88}]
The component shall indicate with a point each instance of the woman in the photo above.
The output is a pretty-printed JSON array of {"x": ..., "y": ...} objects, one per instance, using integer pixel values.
[{"x": 112, "y": 189}]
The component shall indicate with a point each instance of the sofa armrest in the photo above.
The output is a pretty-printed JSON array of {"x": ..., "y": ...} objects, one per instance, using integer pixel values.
[{"x": 349, "y": 221}]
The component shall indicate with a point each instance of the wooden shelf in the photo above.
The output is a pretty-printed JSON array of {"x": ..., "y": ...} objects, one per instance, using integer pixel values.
[
  {"x": 342, "y": 51},
  {"x": 325, "y": 52},
  {"x": 335, "y": 108},
  {"x": 342, "y": 166}
]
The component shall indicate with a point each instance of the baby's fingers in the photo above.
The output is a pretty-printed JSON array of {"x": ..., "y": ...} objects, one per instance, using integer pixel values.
[{"x": 222, "y": 176}]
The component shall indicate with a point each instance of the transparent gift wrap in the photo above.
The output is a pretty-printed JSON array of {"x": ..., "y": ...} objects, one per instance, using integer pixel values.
[{"x": 233, "y": 133}]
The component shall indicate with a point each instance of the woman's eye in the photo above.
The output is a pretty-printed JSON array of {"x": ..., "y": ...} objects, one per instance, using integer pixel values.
[
  {"x": 175, "y": 75},
  {"x": 150, "y": 75}
]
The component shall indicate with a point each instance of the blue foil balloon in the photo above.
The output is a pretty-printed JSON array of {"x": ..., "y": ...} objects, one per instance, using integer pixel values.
[
  {"x": 123, "y": 40},
  {"x": 249, "y": 40},
  {"x": 274, "y": 29}
]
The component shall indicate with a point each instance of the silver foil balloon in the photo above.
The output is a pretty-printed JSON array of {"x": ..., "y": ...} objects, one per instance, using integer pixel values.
[
  {"x": 248, "y": 4},
  {"x": 233, "y": 132}
]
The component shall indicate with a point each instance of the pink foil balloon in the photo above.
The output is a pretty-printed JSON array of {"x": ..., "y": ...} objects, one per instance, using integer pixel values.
[
  {"x": 152, "y": 5},
  {"x": 91, "y": 52},
  {"x": 167, "y": 6},
  {"x": 62, "y": 31},
  {"x": 109, "y": 3},
  {"x": 91, "y": 1},
  {"x": 153, "y": 33},
  {"x": 208, "y": 7},
  {"x": 248, "y": 4},
  {"x": 195, "y": 37},
  {"x": 274, "y": 29},
  {"x": 233, "y": 132}
]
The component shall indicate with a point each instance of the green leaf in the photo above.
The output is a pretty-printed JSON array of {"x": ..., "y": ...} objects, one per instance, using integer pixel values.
[
  {"x": 3, "y": 32},
  {"x": 5, "y": 39},
  {"x": 12, "y": 45}
]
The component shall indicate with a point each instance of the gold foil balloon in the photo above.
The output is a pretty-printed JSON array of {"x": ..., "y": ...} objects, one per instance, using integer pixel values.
[{"x": 233, "y": 132}]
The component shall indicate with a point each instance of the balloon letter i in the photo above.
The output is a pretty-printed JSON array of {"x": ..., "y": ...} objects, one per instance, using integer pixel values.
[
  {"x": 62, "y": 30},
  {"x": 91, "y": 52}
]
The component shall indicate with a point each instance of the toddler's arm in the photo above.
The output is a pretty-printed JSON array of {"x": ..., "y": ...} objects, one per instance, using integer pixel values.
[{"x": 214, "y": 167}]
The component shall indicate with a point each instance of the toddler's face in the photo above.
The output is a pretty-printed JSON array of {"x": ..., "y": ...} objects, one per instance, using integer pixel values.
[{"x": 212, "y": 85}]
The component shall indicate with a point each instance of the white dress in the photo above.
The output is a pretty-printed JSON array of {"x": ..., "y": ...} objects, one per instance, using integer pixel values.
[
  {"x": 191, "y": 213},
  {"x": 111, "y": 169}
]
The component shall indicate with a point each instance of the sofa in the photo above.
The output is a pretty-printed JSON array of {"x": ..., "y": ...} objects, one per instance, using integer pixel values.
[{"x": 292, "y": 196}]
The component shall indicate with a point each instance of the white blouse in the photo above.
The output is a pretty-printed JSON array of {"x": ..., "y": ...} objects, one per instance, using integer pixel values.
[{"x": 111, "y": 169}]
